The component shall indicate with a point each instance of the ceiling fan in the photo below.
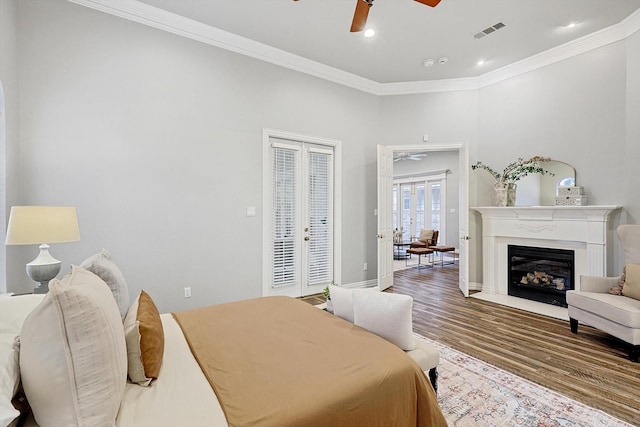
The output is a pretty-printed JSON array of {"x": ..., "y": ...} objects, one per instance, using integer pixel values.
[
  {"x": 362, "y": 11},
  {"x": 409, "y": 156}
]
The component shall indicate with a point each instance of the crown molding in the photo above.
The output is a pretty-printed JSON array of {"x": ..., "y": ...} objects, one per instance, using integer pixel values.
[{"x": 157, "y": 18}]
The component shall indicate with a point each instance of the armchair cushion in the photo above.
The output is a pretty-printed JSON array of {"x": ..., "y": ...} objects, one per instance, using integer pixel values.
[
  {"x": 425, "y": 234},
  {"x": 427, "y": 238},
  {"x": 614, "y": 308},
  {"x": 631, "y": 287}
]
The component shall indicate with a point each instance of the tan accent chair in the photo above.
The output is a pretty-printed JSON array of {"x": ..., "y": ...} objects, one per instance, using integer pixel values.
[
  {"x": 426, "y": 243},
  {"x": 616, "y": 315}
]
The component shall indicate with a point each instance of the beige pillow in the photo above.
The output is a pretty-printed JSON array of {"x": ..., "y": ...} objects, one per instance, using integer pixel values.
[
  {"x": 631, "y": 287},
  {"x": 425, "y": 235},
  {"x": 145, "y": 340},
  {"x": 103, "y": 266},
  {"x": 73, "y": 357}
]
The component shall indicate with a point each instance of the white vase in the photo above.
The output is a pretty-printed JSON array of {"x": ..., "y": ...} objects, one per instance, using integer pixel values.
[
  {"x": 329, "y": 306},
  {"x": 505, "y": 194}
]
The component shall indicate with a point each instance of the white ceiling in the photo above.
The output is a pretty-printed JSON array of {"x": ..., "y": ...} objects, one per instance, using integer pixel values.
[{"x": 407, "y": 32}]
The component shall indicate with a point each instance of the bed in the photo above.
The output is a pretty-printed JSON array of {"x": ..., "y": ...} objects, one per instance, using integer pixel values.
[{"x": 273, "y": 361}]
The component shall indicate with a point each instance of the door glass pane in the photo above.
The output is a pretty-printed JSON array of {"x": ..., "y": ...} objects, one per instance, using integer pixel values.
[
  {"x": 284, "y": 217},
  {"x": 320, "y": 269},
  {"x": 420, "y": 201},
  {"x": 406, "y": 209},
  {"x": 435, "y": 206}
]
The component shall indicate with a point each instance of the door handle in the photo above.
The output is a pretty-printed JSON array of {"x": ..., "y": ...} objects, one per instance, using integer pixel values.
[
  {"x": 306, "y": 238},
  {"x": 465, "y": 238},
  {"x": 380, "y": 236}
]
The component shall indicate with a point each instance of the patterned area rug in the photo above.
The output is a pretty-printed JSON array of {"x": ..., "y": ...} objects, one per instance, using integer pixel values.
[{"x": 474, "y": 393}]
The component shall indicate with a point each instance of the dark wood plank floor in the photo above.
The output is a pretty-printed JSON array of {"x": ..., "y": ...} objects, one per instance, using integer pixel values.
[{"x": 590, "y": 367}]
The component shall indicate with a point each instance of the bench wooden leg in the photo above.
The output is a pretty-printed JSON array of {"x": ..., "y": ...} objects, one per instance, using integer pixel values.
[{"x": 433, "y": 377}]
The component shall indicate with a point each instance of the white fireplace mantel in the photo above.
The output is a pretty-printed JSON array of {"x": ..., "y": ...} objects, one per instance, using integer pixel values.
[{"x": 583, "y": 229}]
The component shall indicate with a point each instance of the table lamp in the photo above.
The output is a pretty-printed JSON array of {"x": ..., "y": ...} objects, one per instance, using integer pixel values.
[{"x": 32, "y": 225}]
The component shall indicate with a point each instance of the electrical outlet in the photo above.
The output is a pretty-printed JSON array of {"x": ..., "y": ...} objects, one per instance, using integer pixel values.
[
  {"x": 365, "y": 267},
  {"x": 187, "y": 292}
]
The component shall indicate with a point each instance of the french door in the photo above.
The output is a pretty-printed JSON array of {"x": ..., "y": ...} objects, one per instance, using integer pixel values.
[
  {"x": 418, "y": 203},
  {"x": 300, "y": 217}
]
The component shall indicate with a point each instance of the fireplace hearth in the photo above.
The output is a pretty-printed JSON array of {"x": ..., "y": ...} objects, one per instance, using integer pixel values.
[{"x": 540, "y": 274}]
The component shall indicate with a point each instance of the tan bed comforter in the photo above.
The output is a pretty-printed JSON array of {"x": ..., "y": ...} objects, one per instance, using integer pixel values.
[{"x": 277, "y": 361}]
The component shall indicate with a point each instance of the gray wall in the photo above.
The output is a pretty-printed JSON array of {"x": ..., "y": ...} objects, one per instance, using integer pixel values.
[
  {"x": 157, "y": 140},
  {"x": 9, "y": 153},
  {"x": 574, "y": 111}
]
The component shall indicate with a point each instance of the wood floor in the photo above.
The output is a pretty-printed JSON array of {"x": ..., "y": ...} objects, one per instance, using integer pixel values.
[{"x": 590, "y": 367}]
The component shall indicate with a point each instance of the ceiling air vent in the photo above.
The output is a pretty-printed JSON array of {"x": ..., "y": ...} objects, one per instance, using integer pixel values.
[{"x": 489, "y": 30}]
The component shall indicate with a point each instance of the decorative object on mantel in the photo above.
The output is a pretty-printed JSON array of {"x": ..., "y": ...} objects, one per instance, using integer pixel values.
[
  {"x": 505, "y": 185},
  {"x": 570, "y": 196}
]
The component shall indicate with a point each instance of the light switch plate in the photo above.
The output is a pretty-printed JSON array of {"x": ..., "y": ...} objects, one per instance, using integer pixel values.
[{"x": 251, "y": 211}]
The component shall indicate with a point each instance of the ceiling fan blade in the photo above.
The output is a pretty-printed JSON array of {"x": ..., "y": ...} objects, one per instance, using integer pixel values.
[
  {"x": 360, "y": 15},
  {"x": 432, "y": 3}
]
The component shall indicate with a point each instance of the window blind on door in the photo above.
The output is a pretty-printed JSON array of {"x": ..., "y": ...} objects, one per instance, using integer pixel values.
[
  {"x": 284, "y": 217},
  {"x": 320, "y": 250}
]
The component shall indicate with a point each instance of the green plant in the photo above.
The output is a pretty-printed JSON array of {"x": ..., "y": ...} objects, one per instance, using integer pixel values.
[
  {"x": 517, "y": 170},
  {"x": 326, "y": 292}
]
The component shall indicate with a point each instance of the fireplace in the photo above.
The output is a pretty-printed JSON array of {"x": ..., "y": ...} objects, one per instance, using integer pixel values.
[{"x": 540, "y": 274}]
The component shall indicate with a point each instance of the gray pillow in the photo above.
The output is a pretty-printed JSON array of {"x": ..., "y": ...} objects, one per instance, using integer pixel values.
[{"x": 103, "y": 266}]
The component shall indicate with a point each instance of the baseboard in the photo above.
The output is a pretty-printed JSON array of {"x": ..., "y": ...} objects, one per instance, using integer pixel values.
[
  {"x": 366, "y": 284},
  {"x": 475, "y": 286}
]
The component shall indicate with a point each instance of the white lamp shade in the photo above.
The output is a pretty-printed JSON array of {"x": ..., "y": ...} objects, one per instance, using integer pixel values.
[{"x": 29, "y": 225}]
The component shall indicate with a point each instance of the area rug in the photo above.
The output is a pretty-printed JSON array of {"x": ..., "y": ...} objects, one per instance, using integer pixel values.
[{"x": 474, "y": 393}]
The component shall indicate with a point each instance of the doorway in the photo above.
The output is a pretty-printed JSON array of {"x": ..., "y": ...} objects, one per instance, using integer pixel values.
[
  {"x": 461, "y": 242},
  {"x": 300, "y": 203}
]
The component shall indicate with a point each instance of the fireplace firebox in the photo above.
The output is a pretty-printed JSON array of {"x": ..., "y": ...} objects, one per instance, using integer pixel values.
[{"x": 541, "y": 274}]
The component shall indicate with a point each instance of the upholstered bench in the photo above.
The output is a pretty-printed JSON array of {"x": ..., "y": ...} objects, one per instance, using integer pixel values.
[
  {"x": 427, "y": 356},
  {"x": 441, "y": 250},
  {"x": 420, "y": 252}
]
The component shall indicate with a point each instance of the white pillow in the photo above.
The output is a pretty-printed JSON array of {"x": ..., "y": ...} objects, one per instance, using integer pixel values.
[
  {"x": 73, "y": 358},
  {"x": 342, "y": 301},
  {"x": 13, "y": 311},
  {"x": 103, "y": 266},
  {"x": 386, "y": 315}
]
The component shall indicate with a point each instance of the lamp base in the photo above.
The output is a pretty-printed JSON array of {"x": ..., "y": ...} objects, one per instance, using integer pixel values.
[{"x": 43, "y": 269}]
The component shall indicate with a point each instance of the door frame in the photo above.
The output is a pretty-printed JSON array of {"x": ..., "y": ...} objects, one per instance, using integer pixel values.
[
  {"x": 268, "y": 133},
  {"x": 463, "y": 194}
]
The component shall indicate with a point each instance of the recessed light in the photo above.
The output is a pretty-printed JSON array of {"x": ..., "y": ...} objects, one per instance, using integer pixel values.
[
  {"x": 571, "y": 25},
  {"x": 369, "y": 33},
  {"x": 428, "y": 62},
  {"x": 480, "y": 62},
  {"x": 442, "y": 60}
]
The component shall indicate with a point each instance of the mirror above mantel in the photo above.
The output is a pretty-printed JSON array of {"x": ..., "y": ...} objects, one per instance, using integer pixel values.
[{"x": 540, "y": 190}]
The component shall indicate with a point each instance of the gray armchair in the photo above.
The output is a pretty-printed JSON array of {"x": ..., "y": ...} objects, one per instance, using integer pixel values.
[{"x": 616, "y": 315}]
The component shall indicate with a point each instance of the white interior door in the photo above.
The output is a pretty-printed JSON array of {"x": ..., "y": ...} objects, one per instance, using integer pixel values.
[
  {"x": 463, "y": 218},
  {"x": 385, "y": 230}
]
